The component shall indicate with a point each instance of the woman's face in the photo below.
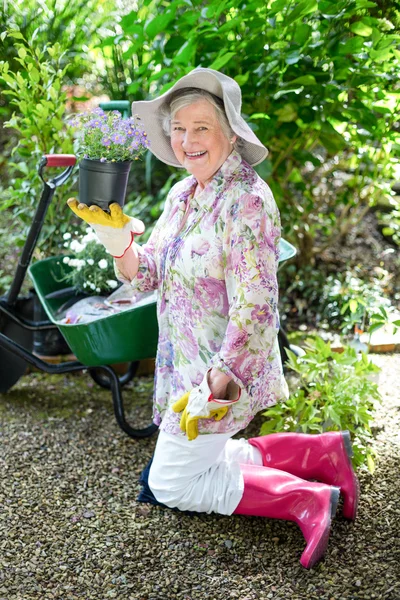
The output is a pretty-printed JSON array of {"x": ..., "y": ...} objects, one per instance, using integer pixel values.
[{"x": 198, "y": 141}]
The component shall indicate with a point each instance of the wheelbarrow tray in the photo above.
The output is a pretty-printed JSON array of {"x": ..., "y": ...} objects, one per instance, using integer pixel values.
[{"x": 123, "y": 337}]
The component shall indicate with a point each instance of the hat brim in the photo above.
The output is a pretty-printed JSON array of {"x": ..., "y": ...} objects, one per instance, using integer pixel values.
[{"x": 148, "y": 111}]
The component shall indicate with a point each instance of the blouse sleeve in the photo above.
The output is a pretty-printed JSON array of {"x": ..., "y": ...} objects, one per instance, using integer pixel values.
[
  {"x": 251, "y": 253},
  {"x": 146, "y": 279}
]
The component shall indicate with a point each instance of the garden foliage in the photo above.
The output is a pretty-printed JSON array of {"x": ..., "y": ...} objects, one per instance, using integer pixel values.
[
  {"x": 319, "y": 84},
  {"x": 335, "y": 392},
  {"x": 36, "y": 93}
]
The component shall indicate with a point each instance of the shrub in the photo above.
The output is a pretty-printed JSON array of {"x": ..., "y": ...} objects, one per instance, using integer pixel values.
[
  {"x": 335, "y": 392},
  {"x": 36, "y": 92},
  {"x": 319, "y": 84}
]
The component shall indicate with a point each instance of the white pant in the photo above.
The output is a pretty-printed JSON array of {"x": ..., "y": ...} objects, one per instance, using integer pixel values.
[{"x": 202, "y": 475}]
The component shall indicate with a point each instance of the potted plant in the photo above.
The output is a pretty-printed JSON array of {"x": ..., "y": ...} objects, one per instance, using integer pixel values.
[{"x": 107, "y": 146}]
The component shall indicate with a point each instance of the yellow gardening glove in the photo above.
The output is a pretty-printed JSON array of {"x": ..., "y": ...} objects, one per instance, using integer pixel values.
[
  {"x": 201, "y": 404},
  {"x": 115, "y": 230},
  {"x": 189, "y": 424}
]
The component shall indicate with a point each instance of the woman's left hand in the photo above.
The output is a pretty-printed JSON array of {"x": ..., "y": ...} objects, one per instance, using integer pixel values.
[
  {"x": 218, "y": 383},
  {"x": 201, "y": 403}
]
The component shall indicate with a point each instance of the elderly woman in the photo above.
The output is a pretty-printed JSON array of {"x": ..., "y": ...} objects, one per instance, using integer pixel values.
[{"x": 213, "y": 258}]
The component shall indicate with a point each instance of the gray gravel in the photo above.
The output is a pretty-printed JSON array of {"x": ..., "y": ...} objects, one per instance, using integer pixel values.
[{"x": 70, "y": 526}]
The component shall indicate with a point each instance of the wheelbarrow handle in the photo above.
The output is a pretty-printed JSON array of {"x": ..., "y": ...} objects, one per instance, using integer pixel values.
[{"x": 59, "y": 160}]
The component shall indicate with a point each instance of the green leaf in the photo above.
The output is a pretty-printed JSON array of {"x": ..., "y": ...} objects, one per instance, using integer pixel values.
[
  {"x": 158, "y": 24},
  {"x": 215, "y": 8},
  {"x": 296, "y": 90},
  {"x": 242, "y": 79},
  {"x": 129, "y": 20},
  {"x": 221, "y": 61},
  {"x": 277, "y": 6},
  {"x": 174, "y": 43},
  {"x": 260, "y": 116},
  {"x": 22, "y": 52},
  {"x": 17, "y": 35},
  {"x": 353, "y": 304},
  {"x": 184, "y": 56},
  {"x": 304, "y": 80},
  {"x": 351, "y": 46},
  {"x": 287, "y": 113},
  {"x": 35, "y": 75},
  {"x": 375, "y": 327},
  {"x": 360, "y": 28},
  {"x": 302, "y": 33},
  {"x": 301, "y": 10}
]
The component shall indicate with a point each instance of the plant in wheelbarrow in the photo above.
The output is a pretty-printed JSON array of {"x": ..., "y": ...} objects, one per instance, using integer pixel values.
[
  {"x": 107, "y": 145},
  {"x": 91, "y": 269}
]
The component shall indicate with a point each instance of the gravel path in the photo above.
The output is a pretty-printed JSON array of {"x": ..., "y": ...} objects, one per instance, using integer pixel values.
[{"x": 70, "y": 527}]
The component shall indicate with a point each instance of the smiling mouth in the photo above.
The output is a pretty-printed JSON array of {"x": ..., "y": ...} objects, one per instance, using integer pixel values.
[{"x": 195, "y": 154}]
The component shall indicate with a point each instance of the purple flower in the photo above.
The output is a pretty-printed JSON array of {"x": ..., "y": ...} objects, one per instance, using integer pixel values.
[
  {"x": 95, "y": 124},
  {"x": 165, "y": 352},
  {"x": 188, "y": 344},
  {"x": 134, "y": 145},
  {"x": 106, "y": 141},
  {"x": 262, "y": 314},
  {"x": 252, "y": 205},
  {"x": 211, "y": 294},
  {"x": 118, "y": 138},
  {"x": 236, "y": 338},
  {"x": 103, "y": 159}
]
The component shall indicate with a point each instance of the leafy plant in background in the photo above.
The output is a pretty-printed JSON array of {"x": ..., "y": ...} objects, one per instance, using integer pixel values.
[
  {"x": 68, "y": 28},
  {"x": 390, "y": 221},
  {"x": 37, "y": 94},
  {"x": 335, "y": 392},
  {"x": 340, "y": 301},
  {"x": 72, "y": 25},
  {"x": 311, "y": 75},
  {"x": 350, "y": 301}
]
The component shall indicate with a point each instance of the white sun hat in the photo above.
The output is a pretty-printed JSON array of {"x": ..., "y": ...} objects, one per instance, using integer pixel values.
[{"x": 226, "y": 88}]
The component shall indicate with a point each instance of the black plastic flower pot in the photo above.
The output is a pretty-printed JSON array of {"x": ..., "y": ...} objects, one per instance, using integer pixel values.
[{"x": 103, "y": 183}]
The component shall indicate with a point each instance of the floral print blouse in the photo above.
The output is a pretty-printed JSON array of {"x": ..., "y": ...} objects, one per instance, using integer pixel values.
[{"x": 213, "y": 259}]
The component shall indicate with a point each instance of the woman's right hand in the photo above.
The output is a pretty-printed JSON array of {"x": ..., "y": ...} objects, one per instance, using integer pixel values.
[{"x": 115, "y": 230}]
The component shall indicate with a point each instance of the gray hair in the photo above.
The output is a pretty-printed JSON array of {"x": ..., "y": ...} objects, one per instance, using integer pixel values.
[{"x": 188, "y": 96}]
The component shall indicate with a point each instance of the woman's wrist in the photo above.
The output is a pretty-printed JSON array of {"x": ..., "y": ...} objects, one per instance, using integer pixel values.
[
  {"x": 218, "y": 382},
  {"x": 128, "y": 264}
]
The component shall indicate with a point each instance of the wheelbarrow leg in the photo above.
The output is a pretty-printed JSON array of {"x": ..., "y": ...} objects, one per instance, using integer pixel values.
[
  {"x": 74, "y": 366},
  {"x": 119, "y": 407}
]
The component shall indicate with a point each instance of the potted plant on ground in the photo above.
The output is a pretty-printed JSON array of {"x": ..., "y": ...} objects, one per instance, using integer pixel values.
[{"x": 107, "y": 146}]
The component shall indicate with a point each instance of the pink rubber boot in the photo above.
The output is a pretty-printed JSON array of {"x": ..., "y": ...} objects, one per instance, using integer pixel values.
[
  {"x": 278, "y": 495},
  {"x": 325, "y": 457}
]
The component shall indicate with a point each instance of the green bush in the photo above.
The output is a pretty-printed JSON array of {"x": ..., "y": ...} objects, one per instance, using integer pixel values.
[
  {"x": 319, "y": 83},
  {"x": 335, "y": 392},
  {"x": 37, "y": 94}
]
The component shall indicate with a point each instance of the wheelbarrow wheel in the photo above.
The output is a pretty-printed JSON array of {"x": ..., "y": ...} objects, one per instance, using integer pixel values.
[
  {"x": 142, "y": 433},
  {"x": 103, "y": 380}
]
